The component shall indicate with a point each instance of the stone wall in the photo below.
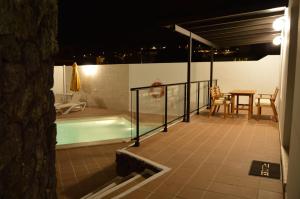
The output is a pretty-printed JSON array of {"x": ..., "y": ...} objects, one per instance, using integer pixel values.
[{"x": 28, "y": 32}]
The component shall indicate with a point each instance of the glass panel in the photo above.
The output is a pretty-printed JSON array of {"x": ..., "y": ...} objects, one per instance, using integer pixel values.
[
  {"x": 215, "y": 82},
  {"x": 133, "y": 114},
  {"x": 152, "y": 109},
  {"x": 203, "y": 101},
  {"x": 194, "y": 96},
  {"x": 175, "y": 102},
  {"x": 152, "y": 105}
]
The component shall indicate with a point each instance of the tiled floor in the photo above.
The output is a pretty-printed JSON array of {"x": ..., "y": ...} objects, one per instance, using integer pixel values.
[
  {"x": 210, "y": 159},
  {"x": 82, "y": 170}
]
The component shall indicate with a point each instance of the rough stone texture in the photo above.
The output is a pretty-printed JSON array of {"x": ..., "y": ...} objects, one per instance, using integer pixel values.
[{"x": 27, "y": 131}]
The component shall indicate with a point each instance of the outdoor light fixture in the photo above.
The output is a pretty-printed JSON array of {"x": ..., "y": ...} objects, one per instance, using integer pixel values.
[
  {"x": 277, "y": 40},
  {"x": 89, "y": 70},
  {"x": 278, "y": 24}
]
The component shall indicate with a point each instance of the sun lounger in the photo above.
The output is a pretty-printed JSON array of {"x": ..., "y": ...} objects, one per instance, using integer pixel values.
[
  {"x": 67, "y": 107},
  {"x": 74, "y": 105}
]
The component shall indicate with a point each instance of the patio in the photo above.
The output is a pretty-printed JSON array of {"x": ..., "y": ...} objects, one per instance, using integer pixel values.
[
  {"x": 208, "y": 157},
  {"x": 211, "y": 157}
]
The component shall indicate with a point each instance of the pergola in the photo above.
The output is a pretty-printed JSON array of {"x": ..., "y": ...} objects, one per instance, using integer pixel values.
[{"x": 227, "y": 31}]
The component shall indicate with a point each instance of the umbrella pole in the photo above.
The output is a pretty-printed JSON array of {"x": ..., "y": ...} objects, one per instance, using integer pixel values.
[{"x": 64, "y": 84}]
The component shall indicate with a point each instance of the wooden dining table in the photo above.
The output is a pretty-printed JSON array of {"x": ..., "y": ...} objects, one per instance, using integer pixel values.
[{"x": 236, "y": 94}]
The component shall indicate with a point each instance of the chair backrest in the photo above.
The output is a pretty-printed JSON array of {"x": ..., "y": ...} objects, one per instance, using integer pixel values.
[
  {"x": 273, "y": 97},
  {"x": 215, "y": 92}
]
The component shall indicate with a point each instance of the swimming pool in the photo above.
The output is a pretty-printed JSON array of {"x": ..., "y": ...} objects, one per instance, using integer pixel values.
[{"x": 94, "y": 129}]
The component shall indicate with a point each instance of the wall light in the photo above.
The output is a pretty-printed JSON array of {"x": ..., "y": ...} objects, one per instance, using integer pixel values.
[
  {"x": 278, "y": 24},
  {"x": 89, "y": 70},
  {"x": 277, "y": 40}
]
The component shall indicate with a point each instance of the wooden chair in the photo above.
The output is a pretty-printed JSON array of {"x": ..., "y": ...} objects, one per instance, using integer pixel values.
[
  {"x": 219, "y": 99},
  {"x": 267, "y": 100}
]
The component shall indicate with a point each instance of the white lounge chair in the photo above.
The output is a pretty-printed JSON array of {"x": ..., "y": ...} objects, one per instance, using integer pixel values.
[{"x": 73, "y": 105}]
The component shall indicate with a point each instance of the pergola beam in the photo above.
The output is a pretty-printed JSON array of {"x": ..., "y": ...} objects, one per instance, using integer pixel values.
[
  {"x": 245, "y": 35},
  {"x": 245, "y": 22},
  {"x": 193, "y": 36},
  {"x": 247, "y": 14},
  {"x": 236, "y": 30},
  {"x": 244, "y": 42},
  {"x": 248, "y": 37}
]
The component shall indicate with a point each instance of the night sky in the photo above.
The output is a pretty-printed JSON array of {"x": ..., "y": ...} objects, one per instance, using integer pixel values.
[{"x": 94, "y": 25}]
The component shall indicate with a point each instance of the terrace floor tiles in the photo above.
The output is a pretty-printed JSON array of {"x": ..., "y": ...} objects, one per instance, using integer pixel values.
[
  {"x": 190, "y": 193},
  {"x": 209, "y": 157},
  {"x": 81, "y": 172},
  {"x": 239, "y": 191},
  {"x": 269, "y": 195},
  {"x": 217, "y": 155},
  {"x": 138, "y": 194},
  {"x": 272, "y": 185},
  {"x": 215, "y": 195},
  {"x": 251, "y": 182}
]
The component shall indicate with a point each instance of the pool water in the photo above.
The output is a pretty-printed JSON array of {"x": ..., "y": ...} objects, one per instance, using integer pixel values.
[{"x": 95, "y": 129}]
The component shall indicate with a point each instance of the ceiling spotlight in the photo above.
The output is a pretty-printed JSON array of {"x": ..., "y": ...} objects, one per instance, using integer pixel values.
[
  {"x": 277, "y": 40},
  {"x": 278, "y": 23}
]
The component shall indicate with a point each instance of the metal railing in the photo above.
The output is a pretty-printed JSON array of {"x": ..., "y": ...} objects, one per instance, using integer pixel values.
[{"x": 165, "y": 105}]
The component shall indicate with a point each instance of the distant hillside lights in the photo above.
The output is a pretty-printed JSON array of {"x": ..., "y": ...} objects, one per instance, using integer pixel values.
[{"x": 90, "y": 70}]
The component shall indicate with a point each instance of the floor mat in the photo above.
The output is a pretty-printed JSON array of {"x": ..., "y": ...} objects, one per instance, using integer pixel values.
[{"x": 265, "y": 169}]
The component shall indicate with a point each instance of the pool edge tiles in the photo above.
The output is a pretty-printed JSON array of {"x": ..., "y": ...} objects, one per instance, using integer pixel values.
[{"x": 94, "y": 143}]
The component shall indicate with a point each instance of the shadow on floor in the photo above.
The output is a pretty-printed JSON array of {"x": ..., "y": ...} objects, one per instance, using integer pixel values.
[{"x": 91, "y": 183}]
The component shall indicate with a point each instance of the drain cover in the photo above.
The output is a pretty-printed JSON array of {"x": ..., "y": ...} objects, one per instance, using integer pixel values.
[{"x": 265, "y": 169}]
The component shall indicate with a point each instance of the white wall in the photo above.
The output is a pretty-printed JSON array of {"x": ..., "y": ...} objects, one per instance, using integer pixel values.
[
  {"x": 261, "y": 75},
  {"x": 293, "y": 181},
  {"x": 107, "y": 88},
  {"x": 145, "y": 74},
  {"x": 285, "y": 136},
  {"x": 58, "y": 80},
  {"x": 168, "y": 73},
  {"x": 109, "y": 85}
]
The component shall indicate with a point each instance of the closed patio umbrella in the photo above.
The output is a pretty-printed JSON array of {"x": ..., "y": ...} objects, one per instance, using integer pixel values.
[{"x": 75, "y": 81}]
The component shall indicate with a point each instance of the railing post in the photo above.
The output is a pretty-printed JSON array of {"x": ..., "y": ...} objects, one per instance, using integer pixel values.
[
  {"x": 188, "y": 92},
  {"x": 137, "y": 140},
  {"x": 184, "y": 104},
  {"x": 166, "y": 109},
  {"x": 208, "y": 95},
  {"x": 198, "y": 97}
]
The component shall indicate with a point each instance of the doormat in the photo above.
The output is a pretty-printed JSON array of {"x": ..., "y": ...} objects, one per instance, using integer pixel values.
[{"x": 265, "y": 169}]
